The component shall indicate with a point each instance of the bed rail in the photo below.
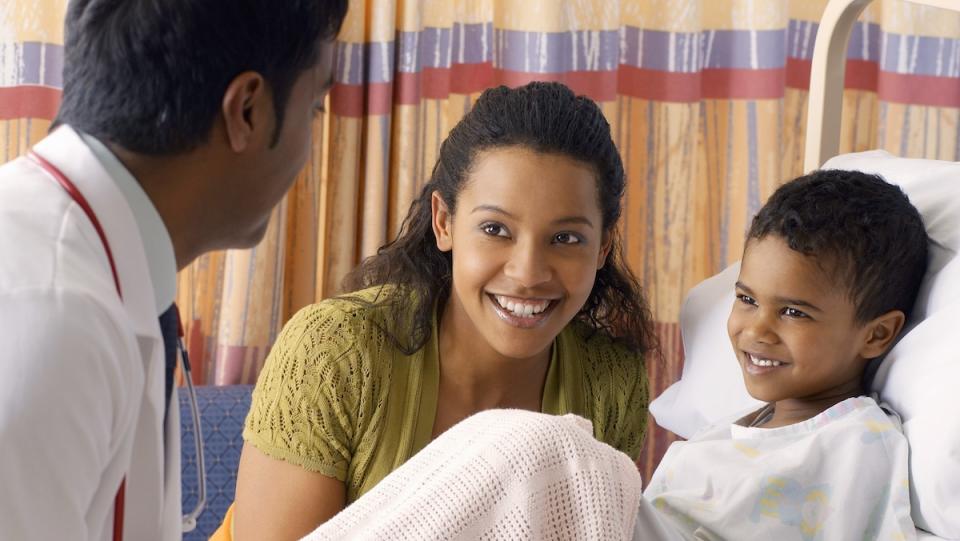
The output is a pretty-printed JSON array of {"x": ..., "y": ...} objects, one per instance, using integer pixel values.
[{"x": 826, "y": 76}]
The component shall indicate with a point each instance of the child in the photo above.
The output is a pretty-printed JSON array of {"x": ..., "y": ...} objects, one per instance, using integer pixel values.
[{"x": 830, "y": 272}]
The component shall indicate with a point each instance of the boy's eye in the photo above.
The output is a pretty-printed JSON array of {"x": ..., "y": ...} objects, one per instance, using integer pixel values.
[
  {"x": 494, "y": 229},
  {"x": 793, "y": 312},
  {"x": 567, "y": 238},
  {"x": 746, "y": 299}
]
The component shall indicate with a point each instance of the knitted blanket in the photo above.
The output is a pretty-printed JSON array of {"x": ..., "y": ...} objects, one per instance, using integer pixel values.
[{"x": 501, "y": 474}]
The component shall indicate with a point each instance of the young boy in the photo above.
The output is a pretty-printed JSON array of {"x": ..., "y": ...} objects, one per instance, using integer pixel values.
[
  {"x": 830, "y": 271},
  {"x": 829, "y": 274}
]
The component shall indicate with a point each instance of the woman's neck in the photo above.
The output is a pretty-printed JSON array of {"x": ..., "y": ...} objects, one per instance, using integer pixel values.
[{"x": 478, "y": 377}]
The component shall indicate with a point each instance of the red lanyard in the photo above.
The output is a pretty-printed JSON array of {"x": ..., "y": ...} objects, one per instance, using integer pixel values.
[{"x": 81, "y": 201}]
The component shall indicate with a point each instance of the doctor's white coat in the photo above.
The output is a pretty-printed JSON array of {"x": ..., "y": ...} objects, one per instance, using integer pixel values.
[{"x": 81, "y": 372}]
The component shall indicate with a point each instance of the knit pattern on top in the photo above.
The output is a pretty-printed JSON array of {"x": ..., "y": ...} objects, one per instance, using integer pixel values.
[
  {"x": 320, "y": 401},
  {"x": 501, "y": 474}
]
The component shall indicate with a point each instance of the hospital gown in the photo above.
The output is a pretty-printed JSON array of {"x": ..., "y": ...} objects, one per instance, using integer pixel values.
[
  {"x": 840, "y": 475},
  {"x": 507, "y": 474}
]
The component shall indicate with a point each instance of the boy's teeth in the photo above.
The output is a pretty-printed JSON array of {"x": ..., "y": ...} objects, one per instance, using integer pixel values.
[
  {"x": 764, "y": 362},
  {"x": 522, "y": 309}
]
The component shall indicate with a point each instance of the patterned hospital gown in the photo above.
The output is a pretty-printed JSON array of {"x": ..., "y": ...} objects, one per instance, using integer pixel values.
[{"x": 840, "y": 475}]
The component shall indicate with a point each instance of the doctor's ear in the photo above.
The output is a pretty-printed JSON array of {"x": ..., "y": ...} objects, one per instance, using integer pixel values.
[
  {"x": 442, "y": 222},
  {"x": 247, "y": 109}
]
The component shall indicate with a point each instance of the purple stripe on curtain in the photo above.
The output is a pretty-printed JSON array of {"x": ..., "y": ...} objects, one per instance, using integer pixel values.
[
  {"x": 921, "y": 55},
  {"x": 472, "y": 43},
  {"x": 687, "y": 52},
  {"x": 358, "y": 63},
  {"x": 33, "y": 63},
  {"x": 864, "y": 40},
  {"x": 440, "y": 48},
  {"x": 556, "y": 52},
  {"x": 435, "y": 50}
]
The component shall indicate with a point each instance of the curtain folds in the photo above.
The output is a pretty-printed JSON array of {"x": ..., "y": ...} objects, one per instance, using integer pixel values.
[{"x": 706, "y": 98}]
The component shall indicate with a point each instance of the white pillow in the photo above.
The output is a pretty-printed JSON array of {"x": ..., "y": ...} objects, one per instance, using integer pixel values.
[{"x": 920, "y": 377}]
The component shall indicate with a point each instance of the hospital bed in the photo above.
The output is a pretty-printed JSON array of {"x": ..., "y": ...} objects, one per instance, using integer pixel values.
[{"x": 920, "y": 377}]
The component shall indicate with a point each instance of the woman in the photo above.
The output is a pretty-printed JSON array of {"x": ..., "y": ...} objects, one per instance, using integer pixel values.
[{"x": 505, "y": 289}]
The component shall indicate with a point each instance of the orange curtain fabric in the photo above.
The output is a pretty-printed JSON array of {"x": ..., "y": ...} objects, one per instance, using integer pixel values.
[{"x": 707, "y": 100}]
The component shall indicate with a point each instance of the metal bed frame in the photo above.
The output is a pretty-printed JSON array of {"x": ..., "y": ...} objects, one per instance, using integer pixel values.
[{"x": 826, "y": 76}]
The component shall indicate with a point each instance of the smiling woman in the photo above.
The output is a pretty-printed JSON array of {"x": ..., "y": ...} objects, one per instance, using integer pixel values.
[{"x": 504, "y": 289}]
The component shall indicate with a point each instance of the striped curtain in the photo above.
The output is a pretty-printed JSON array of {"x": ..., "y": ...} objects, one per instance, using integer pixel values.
[{"x": 706, "y": 98}]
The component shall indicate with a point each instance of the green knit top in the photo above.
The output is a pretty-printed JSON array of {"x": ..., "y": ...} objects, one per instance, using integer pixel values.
[{"x": 337, "y": 397}]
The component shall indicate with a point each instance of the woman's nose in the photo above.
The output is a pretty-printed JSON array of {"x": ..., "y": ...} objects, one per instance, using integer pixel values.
[{"x": 528, "y": 265}]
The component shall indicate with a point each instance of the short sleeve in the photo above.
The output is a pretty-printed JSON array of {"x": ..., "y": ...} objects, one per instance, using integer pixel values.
[{"x": 304, "y": 408}]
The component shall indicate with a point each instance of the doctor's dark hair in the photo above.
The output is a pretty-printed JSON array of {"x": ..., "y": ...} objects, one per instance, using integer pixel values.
[
  {"x": 543, "y": 117},
  {"x": 149, "y": 75},
  {"x": 860, "y": 228}
]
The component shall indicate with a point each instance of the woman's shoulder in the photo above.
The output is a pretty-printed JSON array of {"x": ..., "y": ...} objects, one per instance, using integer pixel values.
[
  {"x": 601, "y": 355},
  {"x": 614, "y": 386},
  {"x": 351, "y": 315}
]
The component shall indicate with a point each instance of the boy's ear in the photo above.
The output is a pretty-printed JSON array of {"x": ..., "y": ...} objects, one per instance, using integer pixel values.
[
  {"x": 442, "y": 222},
  {"x": 881, "y": 332}
]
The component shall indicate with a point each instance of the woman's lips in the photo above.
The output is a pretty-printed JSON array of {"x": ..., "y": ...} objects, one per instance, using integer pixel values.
[{"x": 522, "y": 313}]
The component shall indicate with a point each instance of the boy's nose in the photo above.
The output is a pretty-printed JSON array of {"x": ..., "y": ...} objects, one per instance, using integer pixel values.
[
  {"x": 527, "y": 266},
  {"x": 759, "y": 329}
]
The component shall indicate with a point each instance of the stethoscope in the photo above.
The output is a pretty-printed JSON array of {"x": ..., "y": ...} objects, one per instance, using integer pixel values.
[{"x": 190, "y": 519}]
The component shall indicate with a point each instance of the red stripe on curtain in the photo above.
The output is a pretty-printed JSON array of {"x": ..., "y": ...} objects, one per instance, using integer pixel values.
[
  {"x": 598, "y": 85},
  {"x": 686, "y": 87},
  {"x": 659, "y": 85},
  {"x": 361, "y": 100},
  {"x": 29, "y": 101},
  {"x": 860, "y": 74},
  {"x": 661, "y": 373},
  {"x": 439, "y": 83},
  {"x": 919, "y": 89}
]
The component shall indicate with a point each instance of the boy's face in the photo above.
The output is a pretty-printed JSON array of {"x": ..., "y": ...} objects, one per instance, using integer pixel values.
[{"x": 793, "y": 328}]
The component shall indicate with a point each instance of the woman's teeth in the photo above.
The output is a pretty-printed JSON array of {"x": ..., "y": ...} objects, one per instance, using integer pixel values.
[
  {"x": 764, "y": 362},
  {"x": 522, "y": 308}
]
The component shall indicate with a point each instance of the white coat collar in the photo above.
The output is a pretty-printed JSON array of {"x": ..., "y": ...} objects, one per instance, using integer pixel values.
[
  {"x": 65, "y": 149},
  {"x": 156, "y": 239}
]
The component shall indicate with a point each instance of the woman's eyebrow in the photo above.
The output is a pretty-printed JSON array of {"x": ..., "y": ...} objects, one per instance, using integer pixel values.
[
  {"x": 565, "y": 220},
  {"x": 491, "y": 208}
]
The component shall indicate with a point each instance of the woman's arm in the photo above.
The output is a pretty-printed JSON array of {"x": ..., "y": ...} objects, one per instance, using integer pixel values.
[{"x": 277, "y": 500}]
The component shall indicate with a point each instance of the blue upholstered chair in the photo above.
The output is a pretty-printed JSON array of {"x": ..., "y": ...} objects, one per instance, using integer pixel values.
[{"x": 222, "y": 412}]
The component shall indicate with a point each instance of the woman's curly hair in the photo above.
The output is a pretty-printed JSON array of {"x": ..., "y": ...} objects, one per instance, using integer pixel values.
[{"x": 544, "y": 117}]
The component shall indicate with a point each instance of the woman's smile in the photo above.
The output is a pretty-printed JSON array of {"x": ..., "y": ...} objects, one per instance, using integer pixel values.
[{"x": 524, "y": 313}]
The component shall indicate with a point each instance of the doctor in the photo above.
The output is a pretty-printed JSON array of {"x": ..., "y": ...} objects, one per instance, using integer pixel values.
[{"x": 182, "y": 124}]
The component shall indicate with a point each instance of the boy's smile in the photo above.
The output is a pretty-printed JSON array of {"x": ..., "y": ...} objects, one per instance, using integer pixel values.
[{"x": 794, "y": 330}]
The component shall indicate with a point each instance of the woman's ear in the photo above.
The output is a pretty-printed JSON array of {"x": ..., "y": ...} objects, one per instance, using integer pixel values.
[
  {"x": 606, "y": 244},
  {"x": 881, "y": 332},
  {"x": 442, "y": 222}
]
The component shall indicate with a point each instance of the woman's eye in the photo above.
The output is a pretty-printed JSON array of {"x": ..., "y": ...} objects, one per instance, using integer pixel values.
[
  {"x": 494, "y": 230},
  {"x": 566, "y": 238},
  {"x": 746, "y": 299},
  {"x": 793, "y": 312}
]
